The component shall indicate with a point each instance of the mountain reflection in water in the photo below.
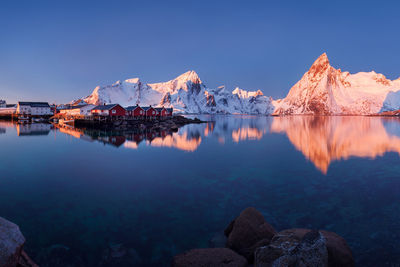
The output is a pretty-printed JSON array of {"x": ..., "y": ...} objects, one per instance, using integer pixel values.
[
  {"x": 326, "y": 139},
  {"x": 321, "y": 139}
]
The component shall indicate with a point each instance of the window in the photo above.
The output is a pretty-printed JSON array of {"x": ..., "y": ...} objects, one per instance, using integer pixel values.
[
  {"x": 153, "y": 112},
  {"x": 114, "y": 111}
]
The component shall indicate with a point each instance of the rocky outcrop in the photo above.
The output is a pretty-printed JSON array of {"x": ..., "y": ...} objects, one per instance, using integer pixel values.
[
  {"x": 255, "y": 240},
  {"x": 247, "y": 232},
  {"x": 288, "y": 250},
  {"x": 171, "y": 124},
  {"x": 11, "y": 243},
  {"x": 210, "y": 257},
  {"x": 291, "y": 245}
]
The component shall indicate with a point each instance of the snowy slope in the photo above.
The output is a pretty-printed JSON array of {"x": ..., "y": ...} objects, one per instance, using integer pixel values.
[
  {"x": 329, "y": 91},
  {"x": 186, "y": 94}
]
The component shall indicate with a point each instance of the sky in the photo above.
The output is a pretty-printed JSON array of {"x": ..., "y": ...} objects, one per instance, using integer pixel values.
[{"x": 58, "y": 51}]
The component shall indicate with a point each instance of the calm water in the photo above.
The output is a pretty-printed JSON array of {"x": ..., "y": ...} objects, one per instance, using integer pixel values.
[{"x": 81, "y": 196}]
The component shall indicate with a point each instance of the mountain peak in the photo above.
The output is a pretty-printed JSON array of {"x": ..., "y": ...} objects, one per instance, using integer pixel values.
[
  {"x": 320, "y": 65},
  {"x": 190, "y": 75},
  {"x": 322, "y": 60}
]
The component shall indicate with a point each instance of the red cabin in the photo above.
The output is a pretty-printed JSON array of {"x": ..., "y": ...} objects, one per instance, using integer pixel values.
[
  {"x": 161, "y": 112},
  {"x": 168, "y": 112},
  {"x": 109, "y": 110},
  {"x": 150, "y": 112},
  {"x": 135, "y": 111}
]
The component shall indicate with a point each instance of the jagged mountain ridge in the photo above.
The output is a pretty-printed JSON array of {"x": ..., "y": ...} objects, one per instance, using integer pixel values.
[
  {"x": 186, "y": 94},
  {"x": 325, "y": 90}
]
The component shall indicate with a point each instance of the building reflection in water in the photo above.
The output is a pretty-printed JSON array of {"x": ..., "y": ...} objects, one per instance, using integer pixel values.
[{"x": 33, "y": 129}]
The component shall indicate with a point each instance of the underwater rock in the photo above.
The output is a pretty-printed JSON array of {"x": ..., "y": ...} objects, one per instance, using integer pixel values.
[
  {"x": 119, "y": 255},
  {"x": 210, "y": 257},
  {"x": 286, "y": 250},
  {"x": 11, "y": 243},
  {"x": 60, "y": 256},
  {"x": 246, "y": 231}
]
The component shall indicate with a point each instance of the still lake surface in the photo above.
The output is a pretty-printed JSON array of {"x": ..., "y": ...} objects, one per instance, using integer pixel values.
[{"x": 80, "y": 196}]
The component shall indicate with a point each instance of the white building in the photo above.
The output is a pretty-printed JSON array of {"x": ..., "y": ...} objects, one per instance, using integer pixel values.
[
  {"x": 84, "y": 110},
  {"x": 34, "y": 108},
  {"x": 7, "y": 109}
]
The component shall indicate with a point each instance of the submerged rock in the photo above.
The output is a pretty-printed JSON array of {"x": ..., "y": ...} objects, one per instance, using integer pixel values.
[
  {"x": 59, "y": 255},
  {"x": 210, "y": 257},
  {"x": 119, "y": 255},
  {"x": 247, "y": 232},
  {"x": 11, "y": 243}
]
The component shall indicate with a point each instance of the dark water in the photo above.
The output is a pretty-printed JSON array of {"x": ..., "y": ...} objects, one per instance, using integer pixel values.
[{"x": 83, "y": 197}]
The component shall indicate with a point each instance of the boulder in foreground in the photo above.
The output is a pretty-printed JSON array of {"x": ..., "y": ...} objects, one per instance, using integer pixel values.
[
  {"x": 11, "y": 243},
  {"x": 247, "y": 232},
  {"x": 287, "y": 244}
]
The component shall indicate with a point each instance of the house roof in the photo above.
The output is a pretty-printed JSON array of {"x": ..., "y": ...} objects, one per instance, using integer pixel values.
[
  {"x": 130, "y": 108},
  {"x": 159, "y": 109},
  {"x": 35, "y": 104},
  {"x": 170, "y": 110},
  {"x": 105, "y": 107},
  {"x": 10, "y": 105},
  {"x": 147, "y": 108}
]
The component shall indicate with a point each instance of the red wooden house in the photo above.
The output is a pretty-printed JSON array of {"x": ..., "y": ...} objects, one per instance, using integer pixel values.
[
  {"x": 150, "y": 112},
  {"x": 168, "y": 112},
  {"x": 161, "y": 112},
  {"x": 109, "y": 110},
  {"x": 136, "y": 111}
]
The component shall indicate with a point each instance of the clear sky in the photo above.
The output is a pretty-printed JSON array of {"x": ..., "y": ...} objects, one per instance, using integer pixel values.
[{"x": 60, "y": 50}]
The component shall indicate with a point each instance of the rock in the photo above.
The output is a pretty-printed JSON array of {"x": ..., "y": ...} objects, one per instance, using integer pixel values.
[
  {"x": 339, "y": 254},
  {"x": 60, "y": 256},
  {"x": 11, "y": 243},
  {"x": 210, "y": 257},
  {"x": 246, "y": 230},
  {"x": 119, "y": 255},
  {"x": 311, "y": 251},
  {"x": 26, "y": 261}
]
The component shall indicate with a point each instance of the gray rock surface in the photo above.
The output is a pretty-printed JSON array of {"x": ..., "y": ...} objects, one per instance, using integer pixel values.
[
  {"x": 311, "y": 251},
  {"x": 285, "y": 242},
  {"x": 11, "y": 243}
]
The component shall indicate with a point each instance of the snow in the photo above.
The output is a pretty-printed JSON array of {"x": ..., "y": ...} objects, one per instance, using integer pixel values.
[
  {"x": 322, "y": 90},
  {"x": 329, "y": 91},
  {"x": 186, "y": 94}
]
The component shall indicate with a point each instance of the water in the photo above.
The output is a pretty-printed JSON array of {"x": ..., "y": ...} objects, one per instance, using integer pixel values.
[{"x": 79, "y": 196}]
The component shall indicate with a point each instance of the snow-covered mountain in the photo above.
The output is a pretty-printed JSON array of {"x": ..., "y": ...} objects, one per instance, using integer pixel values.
[
  {"x": 329, "y": 91},
  {"x": 322, "y": 90},
  {"x": 186, "y": 94}
]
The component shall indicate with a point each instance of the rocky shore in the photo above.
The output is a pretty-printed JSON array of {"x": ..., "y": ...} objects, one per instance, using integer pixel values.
[
  {"x": 171, "y": 124},
  {"x": 251, "y": 241},
  {"x": 12, "y": 243}
]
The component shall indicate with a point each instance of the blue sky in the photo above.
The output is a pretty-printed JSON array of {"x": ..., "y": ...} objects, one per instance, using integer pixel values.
[{"x": 60, "y": 50}]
